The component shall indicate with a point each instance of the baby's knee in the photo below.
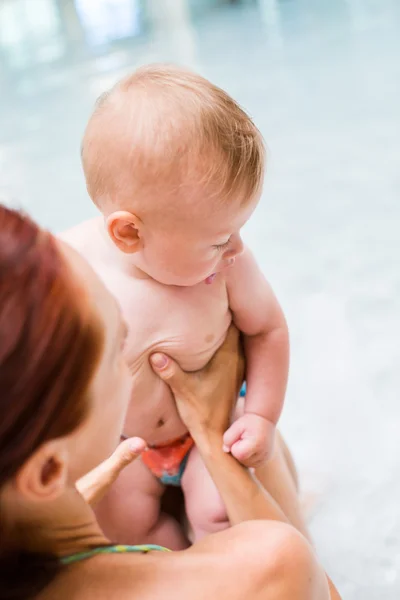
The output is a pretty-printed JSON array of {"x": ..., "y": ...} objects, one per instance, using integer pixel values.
[
  {"x": 128, "y": 518},
  {"x": 205, "y": 510},
  {"x": 206, "y": 515},
  {"x": 204, "y": 507}
]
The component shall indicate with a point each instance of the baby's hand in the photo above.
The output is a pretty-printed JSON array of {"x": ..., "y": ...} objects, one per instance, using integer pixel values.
[{"x": 250, "y": 440}]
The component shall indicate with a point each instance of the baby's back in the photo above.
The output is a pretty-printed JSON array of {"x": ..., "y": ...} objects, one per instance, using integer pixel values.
[{"x": 187, "y": 323}]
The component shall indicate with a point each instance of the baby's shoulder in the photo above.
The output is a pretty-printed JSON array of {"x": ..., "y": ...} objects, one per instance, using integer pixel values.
[
  {"x": 86, "y": 239},
  {"x": 83, "y": 237}
]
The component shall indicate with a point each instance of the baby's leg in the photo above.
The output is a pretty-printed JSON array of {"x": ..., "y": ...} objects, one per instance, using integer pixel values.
[
  {"x": 205, "y": 510},
  {"x": 131, "y": 512}
]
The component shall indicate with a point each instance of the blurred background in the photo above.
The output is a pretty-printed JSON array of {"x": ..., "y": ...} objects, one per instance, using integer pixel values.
[{"x": 322, "y": 80}]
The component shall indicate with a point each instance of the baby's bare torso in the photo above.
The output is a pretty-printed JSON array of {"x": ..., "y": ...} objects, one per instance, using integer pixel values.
[{"x": 187, "y": 323}]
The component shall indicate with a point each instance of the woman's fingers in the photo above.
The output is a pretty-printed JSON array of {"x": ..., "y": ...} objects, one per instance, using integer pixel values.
[
  {"x": 229, "y": 349},
  {"x": 205, "y": 397},
  {"x": 97, "y": 482},
  {"x": 230, "y": 353},
  {"x": 230, "y": 357},
  {"x": 170, "y": 372}
]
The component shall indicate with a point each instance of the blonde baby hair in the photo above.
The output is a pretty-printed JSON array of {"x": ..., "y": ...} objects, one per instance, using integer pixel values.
[{"x": 164, "y": 125}]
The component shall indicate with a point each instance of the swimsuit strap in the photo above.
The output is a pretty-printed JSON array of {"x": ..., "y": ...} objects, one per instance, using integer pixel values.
[{"x": 120, "y": 549}]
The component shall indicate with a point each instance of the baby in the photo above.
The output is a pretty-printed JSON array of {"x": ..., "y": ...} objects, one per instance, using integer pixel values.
[{"x": 176, "y": 168}]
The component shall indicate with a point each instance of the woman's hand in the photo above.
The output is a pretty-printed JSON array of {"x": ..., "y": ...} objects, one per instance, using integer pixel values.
[
  {"x": 97, "y": 482},
  {"x": 205, "y": 398}
]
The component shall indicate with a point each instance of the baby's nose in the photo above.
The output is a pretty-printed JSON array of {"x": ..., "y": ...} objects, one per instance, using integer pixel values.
[{"x": 235, "y": 247}]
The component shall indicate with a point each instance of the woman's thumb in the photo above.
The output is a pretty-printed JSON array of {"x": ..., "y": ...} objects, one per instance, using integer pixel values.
[
  {"x": 168, "y": 370},
  {"x": 95, "y": 484},
  {"x": 126, "y": 452}
]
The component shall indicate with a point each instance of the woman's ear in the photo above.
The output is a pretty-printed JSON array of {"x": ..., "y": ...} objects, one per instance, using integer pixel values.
[
  {"x": 124, "y": 229},
  {"x": 44, "y": 475}
]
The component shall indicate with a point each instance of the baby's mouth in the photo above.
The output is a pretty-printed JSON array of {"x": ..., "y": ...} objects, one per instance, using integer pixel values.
[
  {"x": 210, "y": 278},
  {"x": 229, "y": 263}
]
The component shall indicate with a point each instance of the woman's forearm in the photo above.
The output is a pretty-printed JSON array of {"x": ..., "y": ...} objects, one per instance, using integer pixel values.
[{"x": 244, "y": 498}]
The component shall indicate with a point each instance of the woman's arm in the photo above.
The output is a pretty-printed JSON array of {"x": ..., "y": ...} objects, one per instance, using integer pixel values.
[
  {"x": 244, "y": 498},
  {"x": 205, "y": 401}
]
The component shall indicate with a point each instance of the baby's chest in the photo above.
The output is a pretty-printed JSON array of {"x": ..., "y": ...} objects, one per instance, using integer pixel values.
[{"x": 187, "y": 323}]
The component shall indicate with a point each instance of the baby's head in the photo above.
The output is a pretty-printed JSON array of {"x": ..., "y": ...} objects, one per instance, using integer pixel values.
[{"x": 176, "y": 167}]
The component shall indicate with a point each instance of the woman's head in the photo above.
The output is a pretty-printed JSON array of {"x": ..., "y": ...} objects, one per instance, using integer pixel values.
[{"x": 63, "y": 380}]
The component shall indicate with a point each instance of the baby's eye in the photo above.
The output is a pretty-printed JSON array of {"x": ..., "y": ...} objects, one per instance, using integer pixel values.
[{"x": 221, "y": 246}]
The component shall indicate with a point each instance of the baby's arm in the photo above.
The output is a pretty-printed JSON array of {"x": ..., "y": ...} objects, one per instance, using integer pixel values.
[{"x": 258, "y": 315}]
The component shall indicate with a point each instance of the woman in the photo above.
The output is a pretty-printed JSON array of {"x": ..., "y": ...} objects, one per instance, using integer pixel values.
[{"x": 64, "y": 391}]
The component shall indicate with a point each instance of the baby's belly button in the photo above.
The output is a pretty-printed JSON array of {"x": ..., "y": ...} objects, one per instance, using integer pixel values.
[
  {"x": 161, "y": 422},
  {"x": 157, "y": 422},
  {"x": 166, "y": 429},
  {"x": 164, "y": 420}
]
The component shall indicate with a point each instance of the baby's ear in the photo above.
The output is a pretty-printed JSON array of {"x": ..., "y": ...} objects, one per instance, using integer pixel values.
[{"x": 124, "y": 229}]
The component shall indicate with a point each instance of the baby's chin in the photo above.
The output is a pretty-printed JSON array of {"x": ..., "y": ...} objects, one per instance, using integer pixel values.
[
  {"x": 174, "y": 280},
  {"x": 181, "y": 282}
]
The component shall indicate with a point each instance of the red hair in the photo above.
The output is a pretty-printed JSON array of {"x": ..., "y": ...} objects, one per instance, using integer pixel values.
[{"x": 50, "y": 344}]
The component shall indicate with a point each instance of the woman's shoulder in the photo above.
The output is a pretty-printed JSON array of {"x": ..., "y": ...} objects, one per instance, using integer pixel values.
[
  {"x": 271, "y": 558},
  {"x": 118, "y": 576},
  {"x": 257, "y": 559},
  {"x": 202, "y": 571}
]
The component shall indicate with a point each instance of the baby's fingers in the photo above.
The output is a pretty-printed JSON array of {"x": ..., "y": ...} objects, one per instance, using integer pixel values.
[
  {"x": 243, "y": 451},
  {"x": 233, "y": 435}
]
